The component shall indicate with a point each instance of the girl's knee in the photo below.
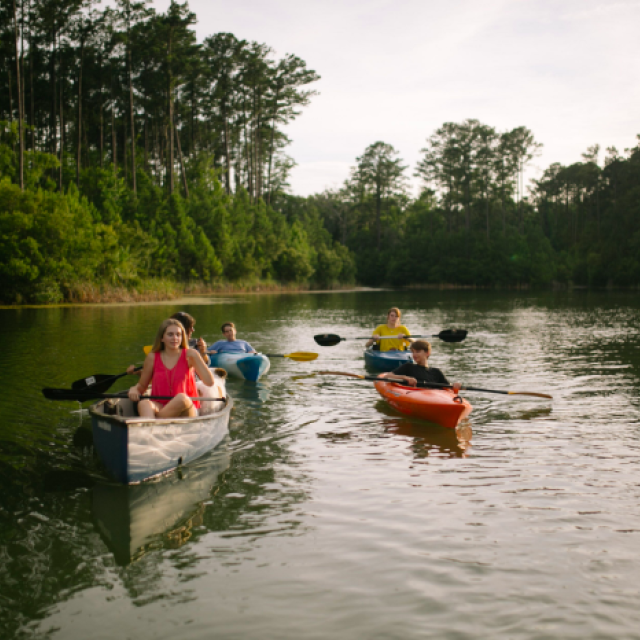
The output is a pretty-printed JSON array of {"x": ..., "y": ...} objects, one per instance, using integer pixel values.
[{"x": 184, "y": 399}]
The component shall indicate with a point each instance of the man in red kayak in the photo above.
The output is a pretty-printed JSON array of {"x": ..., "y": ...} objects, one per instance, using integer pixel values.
[{"x": 418, "y": 371}]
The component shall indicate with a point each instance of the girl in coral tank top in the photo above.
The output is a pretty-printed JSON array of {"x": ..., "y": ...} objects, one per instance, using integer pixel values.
[{"x": 170, "y": 368}]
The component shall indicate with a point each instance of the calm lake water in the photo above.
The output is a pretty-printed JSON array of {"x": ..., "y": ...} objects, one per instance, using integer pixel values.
[{"x": 325, "y": 513}]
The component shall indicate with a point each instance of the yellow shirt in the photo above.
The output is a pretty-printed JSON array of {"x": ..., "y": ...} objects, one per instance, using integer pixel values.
[{"x": 387, "y": 345}]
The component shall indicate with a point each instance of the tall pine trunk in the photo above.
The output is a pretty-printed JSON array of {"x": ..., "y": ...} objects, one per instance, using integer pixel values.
[
  {"x": 20, "y": 97},
  {"x": 79, "y": 127},
  {"x": 132, "y": 124}
]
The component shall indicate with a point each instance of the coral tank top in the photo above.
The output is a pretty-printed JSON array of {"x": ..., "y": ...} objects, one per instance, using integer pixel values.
[{"x": 171, "y": 382}]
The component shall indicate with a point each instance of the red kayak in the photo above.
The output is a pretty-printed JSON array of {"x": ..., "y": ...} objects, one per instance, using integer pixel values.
[{"x": 441, "y": 406}]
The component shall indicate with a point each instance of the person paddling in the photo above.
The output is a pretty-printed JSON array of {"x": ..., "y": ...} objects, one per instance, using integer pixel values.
[
  {"x": 169, "y": 368},
  {"x": 393, "y": 328},
  {"x": 412, "y": 372},
  {"x": 230, "y": 344}
]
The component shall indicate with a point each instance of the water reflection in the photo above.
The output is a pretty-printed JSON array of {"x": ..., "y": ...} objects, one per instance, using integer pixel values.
[
  {"x": 157, "y": 514},
  {"x": 255, "y": 392},
  {"x": 428, "y": 439}
]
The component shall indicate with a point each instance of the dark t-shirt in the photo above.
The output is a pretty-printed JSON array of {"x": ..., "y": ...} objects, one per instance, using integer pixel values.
[{"x": 424, "y": 374}]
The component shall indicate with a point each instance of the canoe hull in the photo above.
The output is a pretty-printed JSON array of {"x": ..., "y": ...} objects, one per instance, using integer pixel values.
[
  {"x": 440, "y": 406},
  {"x": 246, "y": 366},
  {"x": 386, "y": 360},
  {"x": 135, "y": 449}
]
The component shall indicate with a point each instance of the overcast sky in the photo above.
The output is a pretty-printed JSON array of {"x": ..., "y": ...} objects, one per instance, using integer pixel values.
[{"x": 396, "y": 70}]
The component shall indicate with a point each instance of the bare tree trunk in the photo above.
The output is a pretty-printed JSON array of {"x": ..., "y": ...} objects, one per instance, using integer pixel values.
[
  {"x": 32, "y": 49},
  {"x": 53, "y": 121},
  {"x": 114, "y": 141},
  {"x": 10, "y": 77},
  {"x": 79, "y": 147},
  {"x": 184, "y": 175},
  {"x": 101, "y": 130},
  {"x": 171, "y": 148},
  {"x": 488, "y": 214},
  {"x": 227, "y": 151},
  {"x": 273, "y": 131},
  {"x": 133, "y": 129},
  {"x": 146, "y": 143},
  {"x": 125, "y": 164},
  {"x": 20, "y": 96},
  {"x": 61, "y": 172}
]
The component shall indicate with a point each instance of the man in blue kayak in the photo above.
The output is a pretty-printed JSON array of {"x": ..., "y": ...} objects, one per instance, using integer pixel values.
[{"x": 230, "y": 344}]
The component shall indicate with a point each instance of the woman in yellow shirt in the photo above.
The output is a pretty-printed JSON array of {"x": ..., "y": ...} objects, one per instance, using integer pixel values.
[{"x": 392, "y": 328}]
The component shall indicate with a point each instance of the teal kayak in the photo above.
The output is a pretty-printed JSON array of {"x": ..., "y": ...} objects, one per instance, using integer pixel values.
[
  {"x": 248, "y": 366},
  {"x": 386, "y": 360}
]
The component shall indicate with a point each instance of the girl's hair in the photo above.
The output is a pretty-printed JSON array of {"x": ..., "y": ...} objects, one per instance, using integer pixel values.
[
  {"x": 187, "y": 321},
  {"x": 227, "y": 324},
  {"x": 158, "y": 345},
  {"x": 398, "y": 312},
  {"x": 421, "y": 345}
]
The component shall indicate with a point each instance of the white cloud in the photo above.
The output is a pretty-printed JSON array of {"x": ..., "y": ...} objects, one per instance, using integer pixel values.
[{"x": 396, "y": 70}]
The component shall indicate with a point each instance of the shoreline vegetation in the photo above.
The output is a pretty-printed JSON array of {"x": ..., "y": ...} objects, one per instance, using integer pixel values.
[
  {"x": 205, "y": 293},
  {"x": 136, "y": 162}
]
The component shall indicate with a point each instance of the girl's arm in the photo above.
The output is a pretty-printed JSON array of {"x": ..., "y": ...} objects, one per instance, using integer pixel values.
[
  {"x": 195, "y": 360},
  {"x": 145, "y": 378}
]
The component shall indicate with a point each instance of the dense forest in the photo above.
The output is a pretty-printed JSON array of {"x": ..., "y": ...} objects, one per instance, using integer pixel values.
[{"x": 132, "y": 155}]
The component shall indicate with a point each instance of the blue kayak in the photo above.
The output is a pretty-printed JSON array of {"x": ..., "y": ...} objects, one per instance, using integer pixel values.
[
  {"x": 386, "y": 360},
  {"x": 248, "y": 366}
]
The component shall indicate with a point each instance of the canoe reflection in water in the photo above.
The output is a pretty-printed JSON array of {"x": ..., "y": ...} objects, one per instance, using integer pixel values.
[{"x": 134, "y": 519}]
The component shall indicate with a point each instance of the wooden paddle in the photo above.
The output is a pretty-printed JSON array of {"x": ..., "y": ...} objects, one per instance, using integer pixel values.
[
  {"x": 448, "y": 335},
  {"x": 299, "y": 356},
  {"x": 88, "y": 394},
  {"x": 99, "y": 382},
  {"x": 434, "y": 385}
]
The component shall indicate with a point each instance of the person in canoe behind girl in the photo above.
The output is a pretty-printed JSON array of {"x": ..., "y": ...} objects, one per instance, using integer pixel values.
[
  {"x": 392, "y": 328},
  {"x": 189, "y": 324},
  {"x": 412, "y": 372},
  {"x": 169, "y": 368},
  {"x": 230, "y": 344}
]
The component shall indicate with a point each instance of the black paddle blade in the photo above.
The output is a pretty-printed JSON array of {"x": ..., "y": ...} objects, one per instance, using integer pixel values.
[
  {"x": 100, "y": 381},
  {"x": 453, "y": 335},
  {"x": 327, "y": 339}
]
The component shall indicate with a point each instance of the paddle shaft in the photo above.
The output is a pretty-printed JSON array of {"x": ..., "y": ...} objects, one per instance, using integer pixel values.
[
  {"x": 435, "y": 335},
  {"x": 70, "y": 394},
  {"x": 447, "y": 335},
  {"x": 437, "y": 385},
  {"x": 300, "y": 356}
]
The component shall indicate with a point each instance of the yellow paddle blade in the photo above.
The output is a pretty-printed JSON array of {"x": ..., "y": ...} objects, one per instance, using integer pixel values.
[
  {"x": 147, "y": 349},
  {"x": 301, "y": 356}
]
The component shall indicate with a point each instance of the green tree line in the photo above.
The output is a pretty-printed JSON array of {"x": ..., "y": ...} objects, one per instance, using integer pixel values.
[
  {"x": 130, "y": 151},
  {"x": 474, "y": 223}
]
